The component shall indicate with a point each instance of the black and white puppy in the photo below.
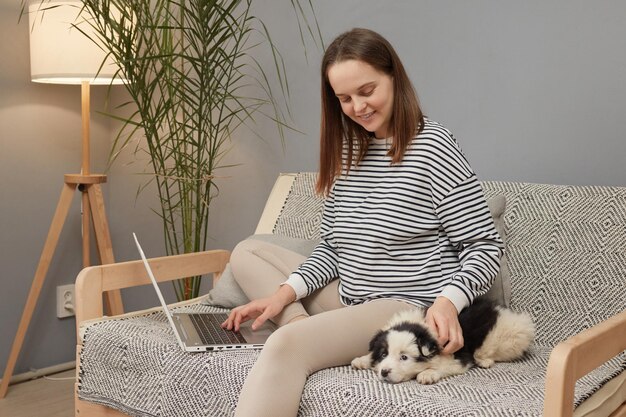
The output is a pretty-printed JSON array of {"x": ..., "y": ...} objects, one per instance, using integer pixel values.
[{"x": 407, "y": 348}]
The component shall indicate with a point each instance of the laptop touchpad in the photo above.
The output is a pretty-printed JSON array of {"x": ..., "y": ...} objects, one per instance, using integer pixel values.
[{"x": 259, "y": 335}]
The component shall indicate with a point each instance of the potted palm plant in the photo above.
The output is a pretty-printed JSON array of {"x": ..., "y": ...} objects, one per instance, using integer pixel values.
[{"x": 193, "y": 80}]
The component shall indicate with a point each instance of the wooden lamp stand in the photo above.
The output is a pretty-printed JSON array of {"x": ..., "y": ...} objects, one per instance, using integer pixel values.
[{"x": 93, "y": 208}]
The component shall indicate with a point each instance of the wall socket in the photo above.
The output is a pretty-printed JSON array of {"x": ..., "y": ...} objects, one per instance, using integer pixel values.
[{"x": 65, "y": 301}]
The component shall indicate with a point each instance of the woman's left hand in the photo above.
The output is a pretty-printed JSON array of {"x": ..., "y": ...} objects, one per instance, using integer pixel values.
[{"x": 443, "y": 318}]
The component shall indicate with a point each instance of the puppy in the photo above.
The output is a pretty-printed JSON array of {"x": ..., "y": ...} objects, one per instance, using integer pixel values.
[{"x": 407, "y": 348}]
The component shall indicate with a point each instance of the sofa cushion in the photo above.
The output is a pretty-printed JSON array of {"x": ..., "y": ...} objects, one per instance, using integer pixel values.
[
  {"x": 135, "y": 365},
  {"x": 565, "y": 248}
]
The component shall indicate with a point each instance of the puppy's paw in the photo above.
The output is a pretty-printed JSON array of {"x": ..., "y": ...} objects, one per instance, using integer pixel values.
[
  {"x": 484, "y": 362},
  {"x": 429, "y": 376},
  {"x": 363, "y": 362}
]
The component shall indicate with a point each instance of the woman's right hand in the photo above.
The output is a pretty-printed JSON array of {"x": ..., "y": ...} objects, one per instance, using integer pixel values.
[{"x": 262, "y": 309}]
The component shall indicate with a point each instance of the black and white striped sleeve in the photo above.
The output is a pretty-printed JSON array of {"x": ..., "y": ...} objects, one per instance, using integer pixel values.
[
  {"x": 466, "y": 220},
  {"x": 321, "y": 266}
]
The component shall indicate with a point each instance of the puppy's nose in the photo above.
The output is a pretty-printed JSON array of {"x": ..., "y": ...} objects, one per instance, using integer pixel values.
[{"x": 385, "y": 372}]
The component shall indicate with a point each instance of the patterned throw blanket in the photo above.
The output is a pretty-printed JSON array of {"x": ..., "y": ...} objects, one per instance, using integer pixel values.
[
  {"x": 135, "y": 366},
  {"x": 568, "y": 268}
]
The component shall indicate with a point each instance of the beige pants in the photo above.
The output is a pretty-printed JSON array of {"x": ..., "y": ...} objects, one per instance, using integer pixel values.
[{"x": 333, "y": 335}]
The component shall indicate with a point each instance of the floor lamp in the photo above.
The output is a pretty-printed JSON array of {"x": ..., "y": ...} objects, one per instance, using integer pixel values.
[{"x": 61, "y": 54}]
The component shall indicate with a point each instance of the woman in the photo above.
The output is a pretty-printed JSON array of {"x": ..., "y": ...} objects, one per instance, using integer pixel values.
[{"x": 405, "y": 224}]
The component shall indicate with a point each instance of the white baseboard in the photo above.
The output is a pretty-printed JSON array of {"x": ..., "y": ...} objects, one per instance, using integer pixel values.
[{"x": 38, "y": 373}]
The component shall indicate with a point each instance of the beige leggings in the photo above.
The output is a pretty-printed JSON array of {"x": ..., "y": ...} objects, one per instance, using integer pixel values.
[{"x": 333, "y": 335}]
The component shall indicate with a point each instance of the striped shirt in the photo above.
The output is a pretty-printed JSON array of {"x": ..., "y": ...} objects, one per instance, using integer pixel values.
[{"x": 410, "y": 231}]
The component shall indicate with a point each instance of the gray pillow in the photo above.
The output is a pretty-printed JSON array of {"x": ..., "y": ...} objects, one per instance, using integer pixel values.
[
  {"x": 500, "y": 291},
  {"x": 227, "y": 293}
]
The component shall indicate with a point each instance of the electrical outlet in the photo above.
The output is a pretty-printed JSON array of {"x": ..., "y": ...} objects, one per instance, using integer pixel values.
[{"x": 65, "y": 301}]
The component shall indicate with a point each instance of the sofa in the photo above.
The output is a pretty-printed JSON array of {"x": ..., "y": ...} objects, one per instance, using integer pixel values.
[{"x": 565, "y": 265}]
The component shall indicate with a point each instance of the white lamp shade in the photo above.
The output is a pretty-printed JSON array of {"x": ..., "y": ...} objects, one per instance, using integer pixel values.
[{"x": 59, "y": 52}]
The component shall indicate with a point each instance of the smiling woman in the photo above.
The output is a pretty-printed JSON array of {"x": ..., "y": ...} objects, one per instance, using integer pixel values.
[
  {"x": 405, "y": 225},
  {"x": 362, "y": 62},
  {"x": 365, "y": 94}
]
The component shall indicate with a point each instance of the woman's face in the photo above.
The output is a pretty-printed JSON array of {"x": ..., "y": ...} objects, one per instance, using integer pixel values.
[{"x": 365, "y": 94}]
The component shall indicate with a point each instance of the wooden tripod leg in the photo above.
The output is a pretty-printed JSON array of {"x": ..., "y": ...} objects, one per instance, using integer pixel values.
[
  {"x": 113, "y": 299},
  {"x": 40, "y": 275},
  {"x": 86, "y": 224}
]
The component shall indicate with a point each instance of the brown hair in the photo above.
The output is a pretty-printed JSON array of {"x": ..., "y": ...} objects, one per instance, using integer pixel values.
[{"x": 406, "y": 119}]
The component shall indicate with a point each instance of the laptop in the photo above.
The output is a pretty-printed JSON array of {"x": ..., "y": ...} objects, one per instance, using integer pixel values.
[{"x": 202, "y": 332}]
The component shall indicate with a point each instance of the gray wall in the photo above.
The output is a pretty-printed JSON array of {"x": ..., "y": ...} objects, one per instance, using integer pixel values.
[
  {"x": 534, "y": 91},
  {"x": 39, "y": 142}
]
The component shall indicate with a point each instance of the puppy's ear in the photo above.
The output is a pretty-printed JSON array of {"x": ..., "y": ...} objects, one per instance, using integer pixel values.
[
  {"x": 378, "y": 347},
  {"x": 429, "y": 348},
  {"x": 377, "y": 339},
  {"x": 427, "y": 345}
]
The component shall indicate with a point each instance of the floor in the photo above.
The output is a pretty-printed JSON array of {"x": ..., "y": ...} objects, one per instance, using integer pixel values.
[{"x": 52, "y": 396}]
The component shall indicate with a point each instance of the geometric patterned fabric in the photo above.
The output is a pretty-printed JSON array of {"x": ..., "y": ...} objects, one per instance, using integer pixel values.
[
  {"x": 567, "y": 256},
  {"x": 301, "y": 216}
]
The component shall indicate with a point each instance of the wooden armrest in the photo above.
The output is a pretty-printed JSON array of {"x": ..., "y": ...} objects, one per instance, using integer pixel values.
[
  {"x": 93, "y": 281},
  {"x": 577, "y": 356}
]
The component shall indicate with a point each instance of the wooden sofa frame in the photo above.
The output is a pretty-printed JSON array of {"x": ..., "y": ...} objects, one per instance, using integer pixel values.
[{"x": 569, "y": 360}]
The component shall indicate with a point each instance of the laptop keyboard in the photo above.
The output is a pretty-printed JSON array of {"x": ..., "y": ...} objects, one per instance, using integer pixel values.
[{"x": 210, "y": 330}]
